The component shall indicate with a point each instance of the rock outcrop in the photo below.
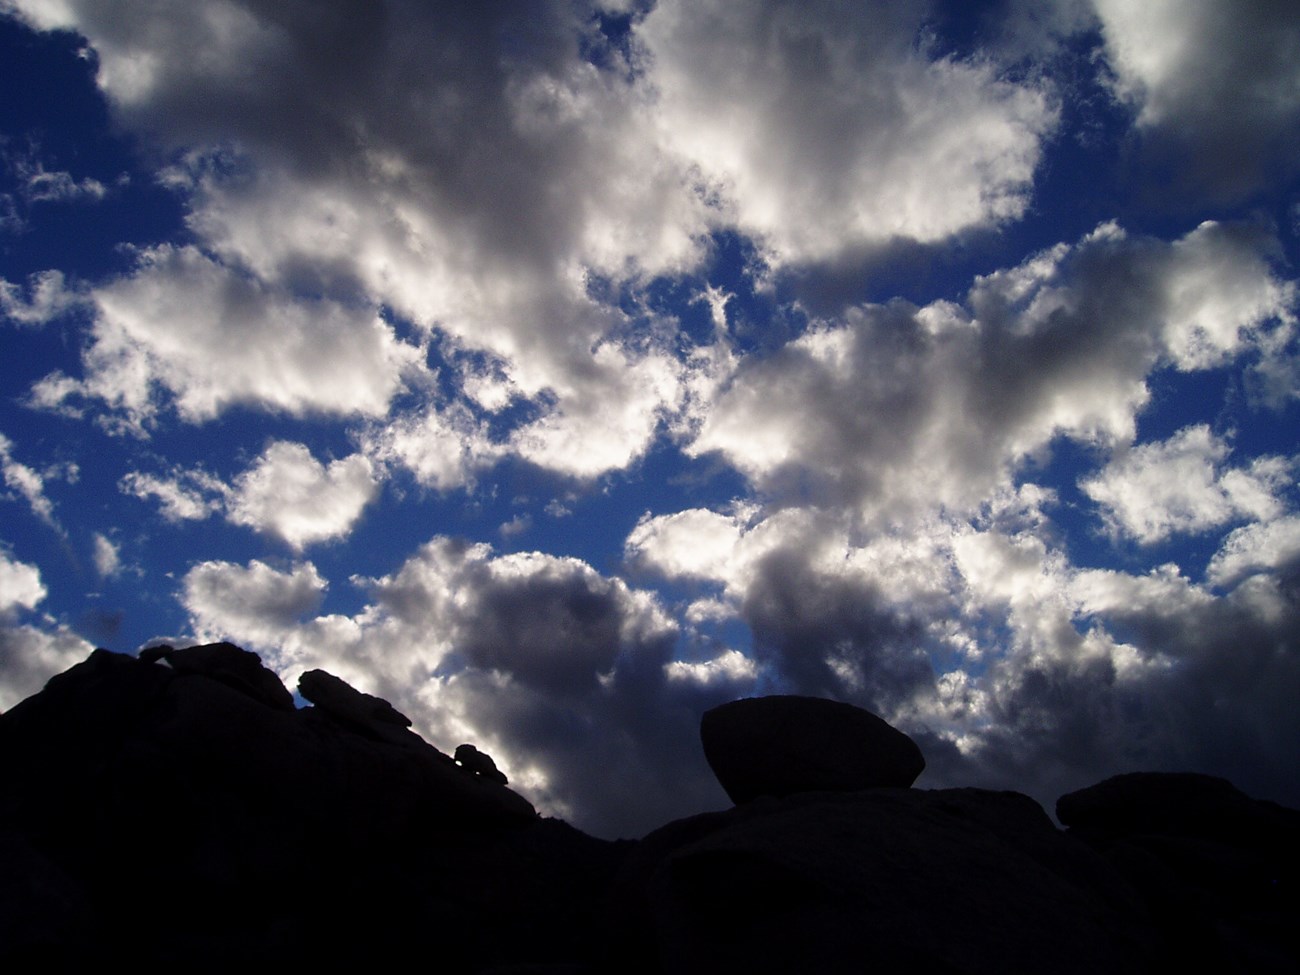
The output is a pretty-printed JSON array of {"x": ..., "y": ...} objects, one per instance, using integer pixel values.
[
  {"x": 232, "y": 665},
  {"x": 885, "y": 879},
  {"x": 783, "y": 745},
  {"x": 170, "y": 812},
  {"x": 1218, "y": 870}
]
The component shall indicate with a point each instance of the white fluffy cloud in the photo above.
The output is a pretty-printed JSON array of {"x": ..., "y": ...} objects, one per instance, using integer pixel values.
[
  {"x": 254, "y": 603},
  {"x": 1256, "y": 548},
  {"x": 286, "y": 493},
  {"x": 290, "y": 494},
  {"x": 825, "y": 128},
  {"x": 1181, "y": 485},
  {"x": 108, "y": 558},
  {"x": 213, "y": 337},
  {"x": 20, "y": 585}
]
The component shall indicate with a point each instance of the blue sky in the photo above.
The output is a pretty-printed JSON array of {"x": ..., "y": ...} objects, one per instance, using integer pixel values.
[{"x": 560, "y": 370}]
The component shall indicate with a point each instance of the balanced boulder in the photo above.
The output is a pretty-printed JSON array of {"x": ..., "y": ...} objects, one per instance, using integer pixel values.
[{"x": 786, "y": 744}]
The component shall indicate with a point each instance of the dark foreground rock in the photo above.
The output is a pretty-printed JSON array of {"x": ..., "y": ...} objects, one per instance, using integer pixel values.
[
  {"x": 176, "y": 818},
  {"x": 184, "y": 817},
  {"x": 785, "y": 744},
  {"x": 1218, "y": 869},
  {"x": 890, "y": 880}
]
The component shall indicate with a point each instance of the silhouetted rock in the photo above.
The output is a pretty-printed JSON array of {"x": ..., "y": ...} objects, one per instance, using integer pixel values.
[
  {"x": 887, "y": 879},
  {"x": 1163, "y": 802},
  {"x": 287, "y": 834},
  {"x": 479, "y": 763},
  {"x": 159, "y": 816},
  {"x": 782, "y": 745},
  {"x": 1217, "y": 868},
  {"x": 232, "y": 665},
  {"x": 339, "y": 699}
]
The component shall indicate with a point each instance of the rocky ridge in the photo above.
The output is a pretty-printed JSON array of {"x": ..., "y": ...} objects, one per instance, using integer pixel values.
[{"x": 177, "y": 809}]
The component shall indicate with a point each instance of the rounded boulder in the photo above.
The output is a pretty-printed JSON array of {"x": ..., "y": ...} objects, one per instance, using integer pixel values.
[{"x": 786, "y": 744}]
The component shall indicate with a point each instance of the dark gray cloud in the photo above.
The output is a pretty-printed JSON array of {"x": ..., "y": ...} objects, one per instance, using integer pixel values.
[
  {"x": 1215, "y": 692},
  {"x": 828, "y": 635},
  {"x": 1216, "y": 86}
]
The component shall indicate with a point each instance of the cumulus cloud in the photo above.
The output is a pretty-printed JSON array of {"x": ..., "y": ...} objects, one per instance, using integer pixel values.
[
  {"x": 898, "y": 409},
  {"x": 212, "y": 337},
  {"x": 20, "y": 585},
  {"x": 1272, "y": 545},
  {"x": 443, "y": 227},
  {"x": 29, "y": 655},
  {"x": 289, "y": 493},
  {"x": 286, "y": 493},
  {"x": 562, "y": 674},
  {"x": 827, "y": 128},
  {"x": 442, "y": 448},
  {"x": 254, "y": 603},
  {"x": 1089, "y": 672},
  {"x": 1216, "y": 85},
  {"x": 1180, "y": 485}
]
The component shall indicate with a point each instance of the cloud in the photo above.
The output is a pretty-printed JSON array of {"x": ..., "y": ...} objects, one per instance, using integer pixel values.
[
  {"x": 1090, "y": 672},
  {"x": 28, "y": 483},
  {"x": 442, "y": 448},
  {"x": 29, "y": 656},
  {"x": 47, "y": 297},
  {"x": 20, "y": 585},
  {"x": 45, "y": 187},
  {"x": 562, "y": 674},
  {"x": 1216, "y": 86},
  {"x": 828, "y": 128},
  {"x": 212, "y": 337},
  {"x": 254, "y": 603},
  {"x": 108, "y": 558},
  {"x": 187, "y": 496},
  {"x": 1180, "y": 485},
  {"x": 899, "y": 410},
  {"x": 286, "y": 493},
  {"x": 1250, "y": 549}
]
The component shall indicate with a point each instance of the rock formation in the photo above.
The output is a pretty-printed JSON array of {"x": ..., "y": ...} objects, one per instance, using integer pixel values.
[
  {"x": 229, "y": 664},
  {"x": 479, "y": 763},
  {"x": 169, "y": 811},
  {"x": 365, "y": 713},
  {"x": 783, "y": 745}
]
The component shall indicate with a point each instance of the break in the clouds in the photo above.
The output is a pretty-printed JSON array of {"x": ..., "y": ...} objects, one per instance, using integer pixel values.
[{"x": 484, "y": 355}]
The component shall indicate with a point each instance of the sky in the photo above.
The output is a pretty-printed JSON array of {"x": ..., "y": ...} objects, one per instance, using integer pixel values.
[{"x": 558, "y": 370}]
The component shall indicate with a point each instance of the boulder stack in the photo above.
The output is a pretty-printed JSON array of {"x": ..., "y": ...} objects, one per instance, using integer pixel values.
[{"x": 785, "y": 744}]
